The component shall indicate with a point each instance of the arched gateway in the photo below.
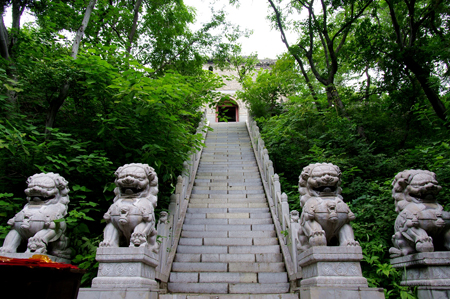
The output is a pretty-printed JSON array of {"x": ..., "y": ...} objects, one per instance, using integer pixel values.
[{"x": 227, "y": 109}]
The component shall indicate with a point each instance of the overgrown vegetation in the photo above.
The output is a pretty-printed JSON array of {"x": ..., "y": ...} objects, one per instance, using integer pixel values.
[
  {"x": 367, "y": 92},
  {"x": 131, "y": 91}
]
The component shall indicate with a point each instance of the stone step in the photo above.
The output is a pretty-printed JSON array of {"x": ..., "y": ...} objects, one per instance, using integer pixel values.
[
  {"x": 227, "y": 184},
  {"x": 232, "y": 192},
  {"x": 241, "y": 202},
  {"x": 227, "y": 210},
  {"x": 229, "y": 277},
  {"x": 230, "y": 296},
  {"x": 227, "y": 205},
  {"x": 257, "y": 249},
  {"x": 218, "y": 221},
  {"x": 225, "y": 234},
  {"x": 228, "y": 227},
  {"x": 229, "y": 258},
  {"x": 224, "y": 288},
  {"x": 229, "y": 188}
]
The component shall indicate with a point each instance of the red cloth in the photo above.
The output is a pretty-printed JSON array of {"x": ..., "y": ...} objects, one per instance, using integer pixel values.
[{"x": 36, "y": 260}]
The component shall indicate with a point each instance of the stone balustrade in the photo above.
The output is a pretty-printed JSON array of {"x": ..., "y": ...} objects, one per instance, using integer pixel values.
[
  {"x": 278, "y": 203},
  {"x": 170, "y": 223}
]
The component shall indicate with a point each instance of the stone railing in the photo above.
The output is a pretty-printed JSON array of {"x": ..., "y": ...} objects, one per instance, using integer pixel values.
[
  {"x": 171, "y": 222},
  {"x": 278, "y": 202}
]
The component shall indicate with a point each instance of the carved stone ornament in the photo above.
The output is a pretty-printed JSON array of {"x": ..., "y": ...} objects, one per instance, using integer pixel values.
[
  {"x": 325, "y": 216},
  {"x": 421, "y": 225},
  {"x": 48, "y": 199},
  {"x": 131, "y": 218}
]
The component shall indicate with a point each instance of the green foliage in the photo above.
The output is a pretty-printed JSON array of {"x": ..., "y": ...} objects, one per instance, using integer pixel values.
[
  {"x": 141, "y": 105},
  {"x": 394, "y": 140}
]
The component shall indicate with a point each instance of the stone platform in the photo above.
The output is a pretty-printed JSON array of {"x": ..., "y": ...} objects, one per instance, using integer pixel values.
[
  {"x": 429, "y": 271},
  {"x": 334, "y": 273},
  {"x": 124, "y": 272}
]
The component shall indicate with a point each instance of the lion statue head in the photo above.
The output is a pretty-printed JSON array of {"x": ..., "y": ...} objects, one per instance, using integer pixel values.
[
  {"x": 47, "y": 189},
  {"x": 136, "y": 180},
  {"x": 319, "y": 180},
  {"x": 414, "y": 186}
]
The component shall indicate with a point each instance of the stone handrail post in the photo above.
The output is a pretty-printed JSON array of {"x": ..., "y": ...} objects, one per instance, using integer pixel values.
[{"x": 170, "y": 223}]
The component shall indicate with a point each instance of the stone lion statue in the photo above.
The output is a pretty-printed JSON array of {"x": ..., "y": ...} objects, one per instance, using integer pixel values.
[
  {"x": 421, "y": 225},
  {"x": 131, "y": 218},
  {"x": 325, "y": 216},
  {"x": 47, "y": 196}
]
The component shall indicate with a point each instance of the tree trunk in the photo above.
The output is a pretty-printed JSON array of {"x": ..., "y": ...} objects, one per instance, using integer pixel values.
[
  {"x": 423, "y": 76},
  {"x": 59, "y": 101},
  {"x": 4, "y": 51},
  {"x": 17, "y": 10},
  {"x": 137, "y": 6},
  {"x": 334, "y": 98}
]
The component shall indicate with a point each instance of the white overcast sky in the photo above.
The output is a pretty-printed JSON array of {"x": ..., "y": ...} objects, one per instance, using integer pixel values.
[{"x": 251, "y": 14}]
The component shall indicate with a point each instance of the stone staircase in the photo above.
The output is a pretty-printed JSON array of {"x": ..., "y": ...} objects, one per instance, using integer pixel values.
[{"x": 228, "y": 243}]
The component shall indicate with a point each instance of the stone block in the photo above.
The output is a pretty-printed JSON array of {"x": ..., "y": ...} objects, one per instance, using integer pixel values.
[
  {"x": 259, "y": 288},
  {"x": 247, "y": 200},
  {"x": 227, "y": 241},
  {"x": 265, "y": 241},
  {"x": 191, "y": 241},
  {"x": 429, "y": 271},
  {"x": 228, "y": 215},
  {"x": 251, "y": 221},
  {"x": 340, "y": 293},
  {"x": 196, "y": 216},
  {"x": 228, "y": 227},
  {"x": 228, "y": 205},
  {"x": 269, "y": 257},
  {"x": 193, "y": 227},
  {"x": 205, "y": 221},
  {"x": 264, "y": 227},
  {"x": 248, "y": 210},
  {"x": 260, "y": 215},
  {"x": 206, "y": 210},
  {"x": 256, "y": 267},
  {"x": 199, "y": 288},
  {"x": 187, "y": 257},
  {"x": 203, "y": 234},
  {"x": 125, "y": 267},
  {"x": 183, "y": 277},
  {"x": 197, "y": 205},
  {"x": 229, "y": 258},
  {"x": 229, "y": 277},
  {"x": 201, "y": 249},
  {"x": 272, "y": 277},
  {"x": 255, "y": 249},
  {"x": 199, "y": 267},
  {"x": 252, "y": 234},
  {"x": 329, "y": 266},
  {"x": 129, "y": 293}
]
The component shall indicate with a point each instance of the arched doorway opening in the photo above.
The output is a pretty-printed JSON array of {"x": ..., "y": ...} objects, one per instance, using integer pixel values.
[{"x": 227, "y": 110}]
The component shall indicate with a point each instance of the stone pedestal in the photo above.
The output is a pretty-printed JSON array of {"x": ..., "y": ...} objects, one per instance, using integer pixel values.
[
  {"x": 429, "y": 271},
  {"x": 334, "y": 272},
  {"x": 124, "y": 272}
]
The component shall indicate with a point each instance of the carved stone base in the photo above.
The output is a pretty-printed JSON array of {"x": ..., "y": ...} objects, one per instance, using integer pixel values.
[
  {"x": 126, "y": 267},
  {"x": 327, "y": 266},
  {"x": 25, "y": 255},
  {"x": 430, "y": 271},
  {"x": 334, "y": 273}
]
